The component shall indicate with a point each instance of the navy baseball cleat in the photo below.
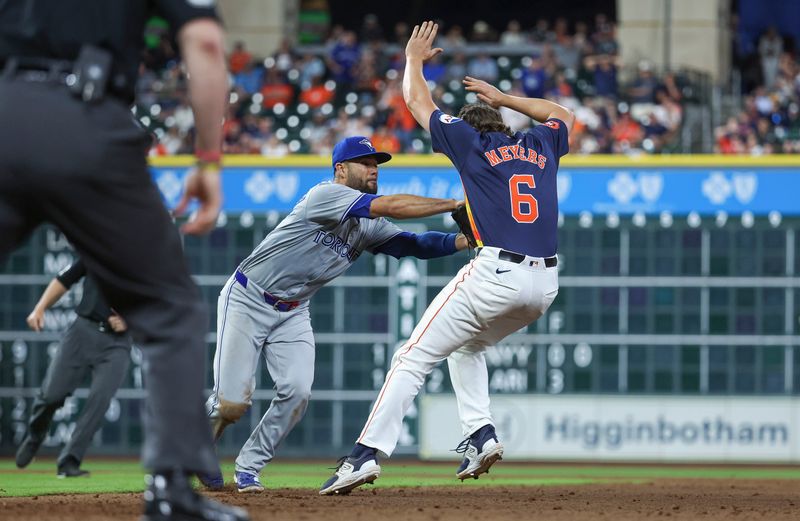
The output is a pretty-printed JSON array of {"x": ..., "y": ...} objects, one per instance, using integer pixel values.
[
  {"x": 212, "y": 481},
  {"x": 246, "y": 482},
  {"x": 357, "y": 469},
  {"x": 481, "y": 451}
]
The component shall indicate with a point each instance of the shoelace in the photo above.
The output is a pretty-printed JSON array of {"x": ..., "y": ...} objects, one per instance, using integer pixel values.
[
  {"x": 462, "y": 447},
  {"x": 339, "y": 463}
]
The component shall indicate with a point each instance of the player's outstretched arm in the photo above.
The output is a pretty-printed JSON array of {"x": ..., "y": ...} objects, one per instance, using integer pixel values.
[
  {"x": 405, "y": 206},
  {"x": 536, "y": 108},
  {"x": 415, "y": 89}
]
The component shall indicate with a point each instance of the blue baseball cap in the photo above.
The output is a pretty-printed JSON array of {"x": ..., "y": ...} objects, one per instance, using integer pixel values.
[{"x": 355, "y": 147}]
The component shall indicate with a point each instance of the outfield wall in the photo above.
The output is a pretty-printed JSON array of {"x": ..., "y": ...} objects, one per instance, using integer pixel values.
[{"x": 629, "y": 428}]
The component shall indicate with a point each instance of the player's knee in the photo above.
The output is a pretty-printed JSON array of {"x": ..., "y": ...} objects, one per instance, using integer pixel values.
[
  {"x": 230, "y": 412},
  {"x": 296, "y": 389}
]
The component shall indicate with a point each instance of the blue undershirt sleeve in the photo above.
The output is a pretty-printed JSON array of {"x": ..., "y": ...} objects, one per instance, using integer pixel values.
[
  {"x": 360, "y": 207},
  {"x": 426, "y": 245}
]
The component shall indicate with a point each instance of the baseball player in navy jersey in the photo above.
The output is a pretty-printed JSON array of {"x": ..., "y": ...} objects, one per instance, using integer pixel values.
[
  {"x": 264, "y": 306},
  {"x": 510, "y": 186}
]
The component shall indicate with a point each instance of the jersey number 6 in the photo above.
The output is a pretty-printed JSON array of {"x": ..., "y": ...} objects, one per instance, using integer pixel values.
[{"x": 524, "y": 206}]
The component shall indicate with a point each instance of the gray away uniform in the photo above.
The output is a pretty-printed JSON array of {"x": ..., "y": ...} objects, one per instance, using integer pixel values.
[{"x": 313, "y": 245}]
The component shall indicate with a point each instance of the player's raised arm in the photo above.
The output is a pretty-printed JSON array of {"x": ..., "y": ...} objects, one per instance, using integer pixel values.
[
  {"x": 535, "y": 108},
  {"x": 415, "y": 88}
]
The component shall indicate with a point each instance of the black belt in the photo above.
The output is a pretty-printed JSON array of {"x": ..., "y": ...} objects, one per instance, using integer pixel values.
[
  {"x": 517, "y": 258},
  {"x": 37, "y": 69},
  {"x": 275, "y": 302}
]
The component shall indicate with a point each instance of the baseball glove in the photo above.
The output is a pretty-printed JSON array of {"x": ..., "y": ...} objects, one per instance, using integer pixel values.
[{"x": 461, "y": 218}]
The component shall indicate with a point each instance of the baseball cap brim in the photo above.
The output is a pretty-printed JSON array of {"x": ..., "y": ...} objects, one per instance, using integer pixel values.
[{"x": 380, "y": 157}]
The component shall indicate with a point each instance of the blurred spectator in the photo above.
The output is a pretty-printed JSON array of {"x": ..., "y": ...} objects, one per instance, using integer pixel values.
[
  {"x": 284, "y": 57},
  {"x": 534, "y": 79},
  {"x": 770, "y": 48},
  {"x": 483, "y": 67},
  {"x": 513, "y": 35},
  {"x": 644, "y": 86},
  {"x": 273, "y": 147},
  {"x": 482, "y": 32},
  {"x": 250, "y": 78},
  {"x": 276, "y": 89},
  {"x": 604, "y": 75},
  {"x": 454, "y": 37},
  {"x": 371, "y": 30},
  {"x": 434, "y": 70},
  {"x": 541, "y": 32},
  {"x": 457, "y": 68},
  {"x": 239, "y": 58},
  {"x": 401, "y": 33},
  {"x": 317, "y": 94},
  {"x": 515, "y": 120},
  {"x": 343, "y": 58},
  {"x": 385, "y": 141},
  {"x": 311, "y": 68},
  {"x": 627, "y": 133}
]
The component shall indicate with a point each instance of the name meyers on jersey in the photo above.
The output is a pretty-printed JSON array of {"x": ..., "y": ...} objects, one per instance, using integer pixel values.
[
  {"x": 507, "y": 153},
  {"x": 337, "y": 244}
]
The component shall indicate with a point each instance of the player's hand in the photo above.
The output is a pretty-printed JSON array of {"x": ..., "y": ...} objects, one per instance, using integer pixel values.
[
  {"x": 36, "y": 319},
  {"x": 488, "y": 94},
  {"x": 117, "y": 323},
  {"x": 421, "y": 41},
  {"x": 203, "y": 184}
]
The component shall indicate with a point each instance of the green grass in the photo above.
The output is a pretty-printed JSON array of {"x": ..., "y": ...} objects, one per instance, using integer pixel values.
[{"x": 110, "y": 476}]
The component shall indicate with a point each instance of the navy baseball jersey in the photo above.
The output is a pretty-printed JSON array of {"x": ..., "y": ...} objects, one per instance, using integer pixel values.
[{"x": 509, "y": 182}]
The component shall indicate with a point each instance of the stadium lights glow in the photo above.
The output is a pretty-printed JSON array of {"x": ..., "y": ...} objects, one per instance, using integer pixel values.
[
  {"x": 639, "y": 219},
  {"x": 233, "y": 98},
  {"x": 585, "y": 219},
  {"x": 612, "y": 220},
  {"x": 293, "y": 121},
  {"x": 258, "y": 97},
  {"x": 279, "y": 108},
  {"x": 748, "y": 219},
  {"x": 330, "y": 85},
  {"x": 302, "y": 108},
  {"x": 775, "y": 218},
  {"x": 721, "y": 218},
  {"x": 665, "y": 219},
  {"x": 693, "y": 219},
  {"x": 351, "y": 97}
]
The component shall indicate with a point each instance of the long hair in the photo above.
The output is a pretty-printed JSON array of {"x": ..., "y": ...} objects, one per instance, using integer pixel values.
[{"x": 484, "y": 118}]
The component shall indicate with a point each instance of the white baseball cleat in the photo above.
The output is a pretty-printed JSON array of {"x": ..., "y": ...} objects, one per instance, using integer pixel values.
[
  {"x": 481, "y": 451},
  {"x": 360, "y": 468}
]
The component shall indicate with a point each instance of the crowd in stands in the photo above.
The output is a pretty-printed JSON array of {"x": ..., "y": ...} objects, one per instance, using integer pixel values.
[
  {"x": 306, "y": 99},
  {"x": 769, "y": 122}
]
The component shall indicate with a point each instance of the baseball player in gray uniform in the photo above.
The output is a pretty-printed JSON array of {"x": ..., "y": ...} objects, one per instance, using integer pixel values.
[{"x": 264, "y": 306}]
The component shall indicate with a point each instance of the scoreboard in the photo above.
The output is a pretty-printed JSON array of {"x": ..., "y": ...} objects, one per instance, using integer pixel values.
[{"x": 677, "y": 303}]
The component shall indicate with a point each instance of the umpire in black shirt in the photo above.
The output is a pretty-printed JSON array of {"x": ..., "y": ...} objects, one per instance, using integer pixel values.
[
  {"x": 97, "y": 341},
  {"x": 71, "y": 154}
]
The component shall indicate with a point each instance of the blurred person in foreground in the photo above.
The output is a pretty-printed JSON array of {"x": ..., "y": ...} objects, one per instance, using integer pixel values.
[{"x": 79, "y": 161}]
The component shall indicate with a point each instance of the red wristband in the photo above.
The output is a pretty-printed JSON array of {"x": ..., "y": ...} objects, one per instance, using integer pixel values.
[{"x": 208, "y": 156}]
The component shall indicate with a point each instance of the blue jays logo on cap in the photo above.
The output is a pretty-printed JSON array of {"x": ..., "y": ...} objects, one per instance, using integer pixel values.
[{"x": 354, "y": 147}]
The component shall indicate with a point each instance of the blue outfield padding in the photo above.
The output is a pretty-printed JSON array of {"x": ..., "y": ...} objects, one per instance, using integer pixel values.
[{"x": 623, "y": 190}]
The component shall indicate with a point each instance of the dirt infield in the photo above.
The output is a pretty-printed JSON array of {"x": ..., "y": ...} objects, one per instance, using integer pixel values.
[{"x": 684, "y": 499}]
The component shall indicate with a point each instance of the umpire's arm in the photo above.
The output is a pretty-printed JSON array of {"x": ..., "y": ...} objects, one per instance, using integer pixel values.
[{"x": 415, "y": 90}]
